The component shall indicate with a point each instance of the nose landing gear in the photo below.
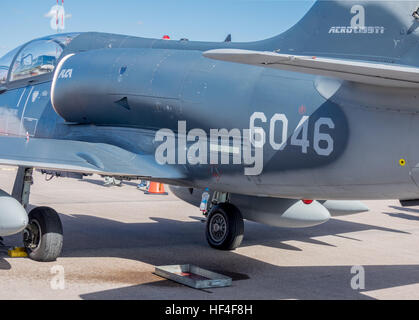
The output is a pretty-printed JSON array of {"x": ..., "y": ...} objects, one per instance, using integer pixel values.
[{"x": 43, "y": 236}]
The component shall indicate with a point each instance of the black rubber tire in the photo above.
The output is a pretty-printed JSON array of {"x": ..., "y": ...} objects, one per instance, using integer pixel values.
[
  {"x": 51, "y": 243},
  {"x": 235, "y": 227}
]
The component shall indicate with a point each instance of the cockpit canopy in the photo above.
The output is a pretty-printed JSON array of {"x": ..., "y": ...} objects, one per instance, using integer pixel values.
[
  {"x": 36, "y": 58},
  {"x": 5, "y": 63}
]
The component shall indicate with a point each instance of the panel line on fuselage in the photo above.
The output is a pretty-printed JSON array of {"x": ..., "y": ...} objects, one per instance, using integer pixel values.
[
  {"x": 24, "y": 108},
  {"x": 20, "y": 99}
]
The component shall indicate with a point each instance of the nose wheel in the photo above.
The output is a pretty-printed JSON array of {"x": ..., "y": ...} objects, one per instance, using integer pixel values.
[
  {"x": 43, "y": 236},
  {"x": 225, "y": 227}
]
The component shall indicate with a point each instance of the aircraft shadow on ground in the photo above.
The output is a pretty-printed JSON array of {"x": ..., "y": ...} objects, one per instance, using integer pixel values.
[
  {"x": 413, "y": 216},
  {"x": 402, "y": 216},
  {"x": 296, "y": 282},
  {"x": 166, "y": 241},
  {"x": 4, "y": 265},
  {"x": 99, "y": 233}
]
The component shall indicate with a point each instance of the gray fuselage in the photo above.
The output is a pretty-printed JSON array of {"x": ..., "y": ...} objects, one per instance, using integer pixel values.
[{"x": 324, "y": 138}]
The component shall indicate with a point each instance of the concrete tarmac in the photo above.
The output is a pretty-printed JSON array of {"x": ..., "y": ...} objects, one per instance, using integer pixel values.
[{"x": 114, "y": 236}]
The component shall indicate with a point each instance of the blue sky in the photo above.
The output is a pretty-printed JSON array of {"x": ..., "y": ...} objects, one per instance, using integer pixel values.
[{"x": 208, "y": 20}]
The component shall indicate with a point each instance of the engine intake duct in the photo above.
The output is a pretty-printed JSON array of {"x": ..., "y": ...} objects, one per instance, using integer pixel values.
[{"x": 120, "y": 86}]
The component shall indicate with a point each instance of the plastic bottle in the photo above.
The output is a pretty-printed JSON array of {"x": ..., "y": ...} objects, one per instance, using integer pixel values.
[{"x": 204, "y": 201}]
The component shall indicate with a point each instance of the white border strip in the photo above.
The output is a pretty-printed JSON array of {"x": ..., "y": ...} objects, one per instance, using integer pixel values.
[{"x": 54, "y": 80}]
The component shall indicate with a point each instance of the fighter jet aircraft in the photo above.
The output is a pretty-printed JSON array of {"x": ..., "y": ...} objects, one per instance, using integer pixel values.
[{"x": 287, "y": 131}]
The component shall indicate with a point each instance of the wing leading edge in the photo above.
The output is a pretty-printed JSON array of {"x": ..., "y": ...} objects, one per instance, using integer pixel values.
[
  {"x": 79, "y": 156},
  {"x": 351, "y": 70}
]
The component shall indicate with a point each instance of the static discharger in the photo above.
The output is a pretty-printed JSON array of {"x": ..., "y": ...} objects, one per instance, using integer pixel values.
[{"x": 17, "y": 253}]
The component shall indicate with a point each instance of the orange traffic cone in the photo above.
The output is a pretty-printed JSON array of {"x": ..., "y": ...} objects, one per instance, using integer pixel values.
[{"x": 155, "y": 188}]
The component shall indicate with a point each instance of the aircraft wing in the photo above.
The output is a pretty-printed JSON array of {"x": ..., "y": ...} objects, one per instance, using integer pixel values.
[
  {"x": 357, "y": 71},
  {"x": 79, "y": 156}
]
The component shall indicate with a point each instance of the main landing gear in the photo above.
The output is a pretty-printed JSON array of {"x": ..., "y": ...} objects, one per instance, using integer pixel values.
[
  {"x": 225, "y": 227},
  {"x": 43, "y": 236}
]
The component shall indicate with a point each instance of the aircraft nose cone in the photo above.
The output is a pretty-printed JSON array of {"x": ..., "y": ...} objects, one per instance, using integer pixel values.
[{"x": 13, "y": 217}]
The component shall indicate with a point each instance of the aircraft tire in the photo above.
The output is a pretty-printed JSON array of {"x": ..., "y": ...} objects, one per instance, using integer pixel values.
[
  {"x": 43, "y": 238},
  {"x": 225, "y": 227}
]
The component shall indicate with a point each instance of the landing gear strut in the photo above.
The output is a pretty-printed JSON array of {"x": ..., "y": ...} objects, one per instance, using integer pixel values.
[
  {"x": 43, "y": 236},
  {"x": 225, "y": 227}
]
